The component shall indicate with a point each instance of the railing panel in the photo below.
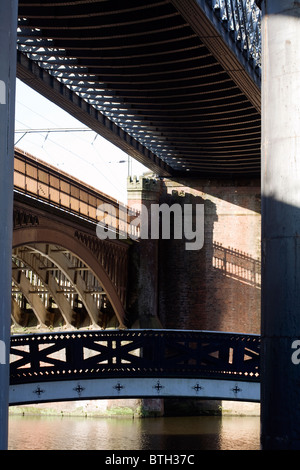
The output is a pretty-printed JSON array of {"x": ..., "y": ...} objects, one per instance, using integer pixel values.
[
  {"x": 243, "y": 19},
  {"x": 134, "y": 353}
]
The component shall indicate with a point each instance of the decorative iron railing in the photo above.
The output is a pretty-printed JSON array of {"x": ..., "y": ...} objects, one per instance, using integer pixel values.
[
  {"x": 134, "y": 353},
  {"x": 242, "y": 19},
  {"x": 237, "y": 265}
]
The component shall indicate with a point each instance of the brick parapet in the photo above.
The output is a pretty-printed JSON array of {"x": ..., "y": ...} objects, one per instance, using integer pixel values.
[
  {"x": 143, "y": 288},
  {"x": 143, "y": 188}
]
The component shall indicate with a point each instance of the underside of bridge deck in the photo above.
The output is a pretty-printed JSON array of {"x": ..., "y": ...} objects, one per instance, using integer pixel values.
[{"x": 173, "y": 83}]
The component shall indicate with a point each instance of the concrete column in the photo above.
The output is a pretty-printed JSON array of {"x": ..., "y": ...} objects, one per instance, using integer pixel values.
[
  {"x": 8, "y": 41},
  {"x": 280, "y": 391}
]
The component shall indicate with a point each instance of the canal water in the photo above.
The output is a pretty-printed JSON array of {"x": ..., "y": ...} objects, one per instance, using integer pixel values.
[{"x": 168, "y": 434}]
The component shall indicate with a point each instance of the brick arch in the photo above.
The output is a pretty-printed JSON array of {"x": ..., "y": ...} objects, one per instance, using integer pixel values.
[{"x": 38, "y": 234}]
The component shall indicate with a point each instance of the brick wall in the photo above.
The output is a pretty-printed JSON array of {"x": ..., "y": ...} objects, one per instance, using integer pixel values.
[
  {"x": 142, "y": 301},
  {"x": 217, "y": 287}
]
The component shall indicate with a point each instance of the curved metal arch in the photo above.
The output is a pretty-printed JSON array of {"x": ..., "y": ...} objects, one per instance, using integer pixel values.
[
  {"x": 35, "y": 301},
  {"x": 36, "y": 235},
  {"x": 134, "y": 363},
  {"x": 209, "y": 389},
  {"x": 16, "y": 312},
  {"x": 50, "y": 283},
  {"x": 65, "y": 265}
]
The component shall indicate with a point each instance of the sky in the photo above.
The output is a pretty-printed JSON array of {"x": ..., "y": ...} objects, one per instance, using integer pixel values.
[{"x": 83, "y": 154}]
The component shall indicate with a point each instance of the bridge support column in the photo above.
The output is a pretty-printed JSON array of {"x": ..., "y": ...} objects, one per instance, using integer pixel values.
[
  {"x": 280, "y": 399},
  {"x": 8, "y": 41},
  {"x": 145, "y": 192}
]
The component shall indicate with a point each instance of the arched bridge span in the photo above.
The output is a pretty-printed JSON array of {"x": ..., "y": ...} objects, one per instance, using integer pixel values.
[
  {"x": 61, "y": 269},
  {"x": 91, "y": 364}
]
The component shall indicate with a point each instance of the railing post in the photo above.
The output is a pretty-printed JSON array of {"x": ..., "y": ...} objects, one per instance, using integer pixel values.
[
  {"x": 280, "y": 410},
  {"x": 8, "y": 41}
]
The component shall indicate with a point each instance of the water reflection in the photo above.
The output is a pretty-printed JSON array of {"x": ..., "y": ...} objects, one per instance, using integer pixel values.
[{"x": 184, "y": 433}]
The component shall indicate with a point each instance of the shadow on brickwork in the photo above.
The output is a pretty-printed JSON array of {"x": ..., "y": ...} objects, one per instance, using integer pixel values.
[
  {"x": 182, "y": 272},
  {"x": 215, "y": 288}
]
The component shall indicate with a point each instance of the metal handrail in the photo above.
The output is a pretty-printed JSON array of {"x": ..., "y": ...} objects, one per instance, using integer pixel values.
[
  {"x": 134, "y": 353},
  {"x": 242, "y": 19}
]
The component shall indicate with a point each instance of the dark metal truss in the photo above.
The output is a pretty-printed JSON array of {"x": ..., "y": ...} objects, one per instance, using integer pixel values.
[
  {"x": 134, "y": 353},
  {"x": 160, "y": 79}
]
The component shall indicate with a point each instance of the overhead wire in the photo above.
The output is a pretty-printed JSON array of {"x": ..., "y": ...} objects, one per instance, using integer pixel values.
[
  {"x": 50, "y": 130},
  {"x": 84, "y": 160}
]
